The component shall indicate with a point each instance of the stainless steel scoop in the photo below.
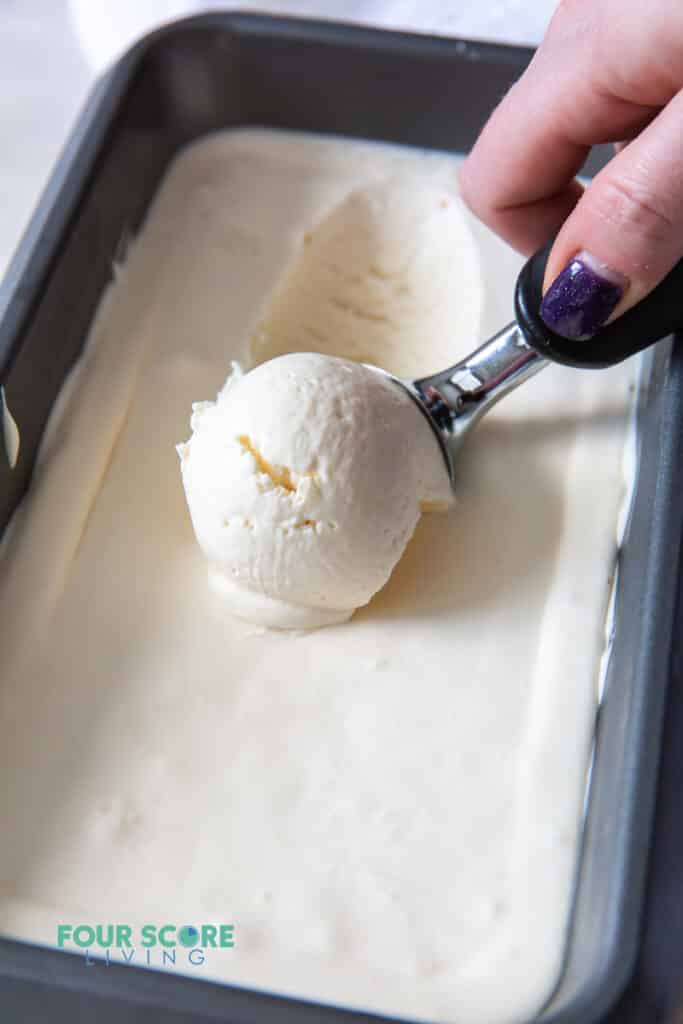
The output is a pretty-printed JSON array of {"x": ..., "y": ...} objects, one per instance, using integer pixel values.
[{"x": 455, "y": 399}]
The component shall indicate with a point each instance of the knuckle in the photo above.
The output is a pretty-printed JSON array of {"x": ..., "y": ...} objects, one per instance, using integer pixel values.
[
  {"x": 468, "y": 190},
  {"x": 630, "y": 205}
]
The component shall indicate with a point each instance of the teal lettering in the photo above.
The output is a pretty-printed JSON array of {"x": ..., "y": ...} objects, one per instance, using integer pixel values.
[
  {"x": 84, "y": 935},
  {"x": 162, "y": 935}
]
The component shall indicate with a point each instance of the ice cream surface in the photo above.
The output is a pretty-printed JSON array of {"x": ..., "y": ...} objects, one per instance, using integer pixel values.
[
  {"x": 305, "y": 481},
  {"x": 390, "y": 273},
  {"x": 388, "y": 811},
  {"x": 389, "y": 266}
]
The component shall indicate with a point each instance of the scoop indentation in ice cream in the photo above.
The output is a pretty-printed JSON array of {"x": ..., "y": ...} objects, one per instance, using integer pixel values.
[
  {"x": 305, "y": 481},
  {"x": 390, "y": 273}
]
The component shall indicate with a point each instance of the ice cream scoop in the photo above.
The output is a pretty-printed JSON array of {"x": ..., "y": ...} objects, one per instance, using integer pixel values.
[
  {"x": 455, "y": 399},
  {"x": 306, "y": 478},
  {"x": 305, "y": 481}
]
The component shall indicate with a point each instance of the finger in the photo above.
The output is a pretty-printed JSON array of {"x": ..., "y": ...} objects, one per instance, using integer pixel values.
[
  {"x": 623, "y": 143},
  {"x": 624, "y": 235},
  {"x": 519, "y": 178}
]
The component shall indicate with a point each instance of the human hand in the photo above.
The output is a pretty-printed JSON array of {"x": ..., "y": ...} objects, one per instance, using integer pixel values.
[{"x": 606, "y": 71}]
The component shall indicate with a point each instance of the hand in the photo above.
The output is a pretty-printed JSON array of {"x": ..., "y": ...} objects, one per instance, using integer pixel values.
[{"x": 606, "y": 71}]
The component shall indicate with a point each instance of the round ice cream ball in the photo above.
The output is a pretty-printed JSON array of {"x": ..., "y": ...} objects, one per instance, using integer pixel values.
[{"x": 305, "y": 480}]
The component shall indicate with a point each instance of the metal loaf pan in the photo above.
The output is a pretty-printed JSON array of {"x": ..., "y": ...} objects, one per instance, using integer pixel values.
[{"x": 218, "y": 71}]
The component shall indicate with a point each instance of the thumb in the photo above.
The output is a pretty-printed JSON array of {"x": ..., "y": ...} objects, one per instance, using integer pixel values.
[{"x": 623, "y": 236}]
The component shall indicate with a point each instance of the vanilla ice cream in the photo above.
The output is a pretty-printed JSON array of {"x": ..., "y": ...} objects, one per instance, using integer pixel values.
[
  {"x": 305, "y": 481},
  {"x": 389, "y": 270},
  {"x": 388, "y": 811}
]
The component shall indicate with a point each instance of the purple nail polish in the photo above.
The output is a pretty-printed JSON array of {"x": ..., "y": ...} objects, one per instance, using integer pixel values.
[{"x": 582, "y": 297}]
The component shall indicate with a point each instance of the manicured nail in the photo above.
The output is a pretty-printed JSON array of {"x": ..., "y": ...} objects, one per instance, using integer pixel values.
[{"x": 582, "y": 297}]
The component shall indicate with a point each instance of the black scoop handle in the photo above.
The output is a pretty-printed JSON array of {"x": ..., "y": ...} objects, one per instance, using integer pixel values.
[{"x": 658, "y": 315}]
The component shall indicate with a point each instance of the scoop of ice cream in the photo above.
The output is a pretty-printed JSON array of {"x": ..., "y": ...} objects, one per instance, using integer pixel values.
[
  {"x": 305, "y": 480},
  {"x": 391, "y": 272}
]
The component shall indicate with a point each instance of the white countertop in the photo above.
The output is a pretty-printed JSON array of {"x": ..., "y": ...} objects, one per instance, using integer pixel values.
[{"x": 51, "y": 51}]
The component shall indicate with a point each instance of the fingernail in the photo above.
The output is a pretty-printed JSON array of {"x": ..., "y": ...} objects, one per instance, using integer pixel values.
[{"x": 582, "y": 297}]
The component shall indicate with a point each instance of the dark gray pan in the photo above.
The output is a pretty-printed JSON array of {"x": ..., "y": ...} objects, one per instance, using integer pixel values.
[{"x": 219, "y": 71}]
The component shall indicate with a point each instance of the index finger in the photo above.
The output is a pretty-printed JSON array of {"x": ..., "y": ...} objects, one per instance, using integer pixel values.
[{"x": 520, "y": 176}]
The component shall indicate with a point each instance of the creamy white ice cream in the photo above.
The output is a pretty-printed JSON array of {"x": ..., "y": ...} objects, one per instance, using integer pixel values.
[
  {"x": 389, "y": 273},
  {"x": 389, "y": 269},
  {"x": 305, "y": 481},
  {"x": 389, "y": 812}
]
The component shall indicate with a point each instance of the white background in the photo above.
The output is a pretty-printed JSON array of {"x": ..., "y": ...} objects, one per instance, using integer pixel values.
[{"x": 51, "y": 51}]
